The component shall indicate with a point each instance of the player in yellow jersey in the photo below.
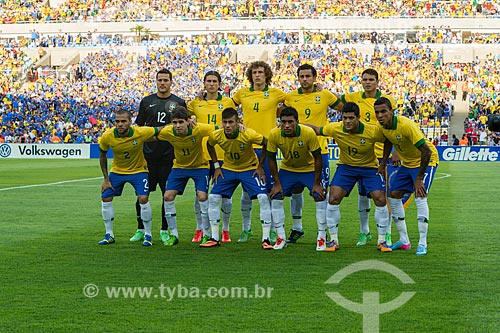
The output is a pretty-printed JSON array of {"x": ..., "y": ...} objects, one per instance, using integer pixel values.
[
  {"x": 190, "y": 163},
  {"x": 414, "y": 175},
  {"x": 208, "y": 110},
  {"x": 365, "y": 99},
  {"x": 312, "y": 107},
  {"x": 129, "y": 166},
  {"x": 357, "y": 162},
  {"x": 240, "y": 165},
  {"x": 300, "y": 167},
  {"x": 395, "y": 164},
  {"x": 259, "y": 105}
]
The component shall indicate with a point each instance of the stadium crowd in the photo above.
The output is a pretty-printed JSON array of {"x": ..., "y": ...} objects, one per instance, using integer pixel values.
[
  {"x": 431, "y": 34},
  {"x": 155, "y": 10},
  {"x": 421, "y": 84}
]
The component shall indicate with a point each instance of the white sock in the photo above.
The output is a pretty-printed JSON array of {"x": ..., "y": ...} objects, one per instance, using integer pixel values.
[
  {"x": 214, "y": 202},
  {"x": 108, "y": 216},
  {"x": 147, "y": 217},
  {"x": 227, "y": 207},
  {"x": 265, "y": 215},
  {"x": 171, "y": 216},
  {"x": 398, "y": 215},
  {"x": 423, "y": 219},
  {"x": 197, "y": 214},
  {"x": 332, "y": 221},
  {"x": 364, "y": 213},
  {"x": 382, "y": 220},
  {"x": 296, "y": 204},
  {"x": 321, "y": 218},
  {"x": 205, "y": 223},
  {"x": 278, "y": 214},
  {"x": 246, "y": 211}
]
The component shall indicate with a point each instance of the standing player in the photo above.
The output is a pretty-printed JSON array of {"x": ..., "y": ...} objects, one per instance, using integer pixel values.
[
  {"x": 208, "y": 110},
  {"x": 240, "y": 166},
  {"x": 357, "y": 162},
  {"x": 259, "y": 105},
  {"x": 365, "y": 99},
  {"x": 190, "y": 163},
  {"x": 300, "y": 167},
  {"x": 312, "y": 107},
  {"x": 129, "y": 166},
  {"x": 415, "y": 174},
  {"x": 154, "y": 110}
]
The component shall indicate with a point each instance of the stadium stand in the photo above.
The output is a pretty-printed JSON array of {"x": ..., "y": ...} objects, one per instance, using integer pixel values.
[
  {"x": 55, "y": 105},
  {"x": 141, "y": 10}
]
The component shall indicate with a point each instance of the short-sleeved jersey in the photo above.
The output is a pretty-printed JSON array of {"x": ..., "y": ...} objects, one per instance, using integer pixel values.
[
  {"x": 406, "y": 137},
  {"x": 238, "y": 151},
  {"x": 188, "y": 149},
  {"x": 297, "y": 151},
  {"x": 128, "y": 154},
  {"x": 313, "y": 109},
  {"x": 259, "y": 107},
  {"x": 356, "y": 149},
  {"x": 434, "y": 161},
  {"x": 210, "y": 112},
  {"x": 367, "y": 110},
  {"x": 153, "y": 112}
]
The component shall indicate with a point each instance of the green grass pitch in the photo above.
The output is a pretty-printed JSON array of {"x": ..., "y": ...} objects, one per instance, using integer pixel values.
[{"x": 49, "y": 253}]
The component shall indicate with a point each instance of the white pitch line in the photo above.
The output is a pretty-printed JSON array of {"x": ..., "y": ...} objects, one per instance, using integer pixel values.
[
  {"x": 444, "y": 175},
  {"x": 49, "y": 184}
]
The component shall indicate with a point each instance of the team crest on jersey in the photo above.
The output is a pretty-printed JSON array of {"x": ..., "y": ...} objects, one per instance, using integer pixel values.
[
  {"x": 266, "y": 94},
  {"x": 362, "y": 141},
  {"x": 398, "y": 137},
  {"x": 220, "y": 106},
  {"x": 172, "y": 106},
  {"x": 318, "y": 99},
  {"x": 300, "y": 143},
  {"x": 134, "y": 142},
  {"x": 242, "y": 146},
  {"x": 193, "y": 140}
]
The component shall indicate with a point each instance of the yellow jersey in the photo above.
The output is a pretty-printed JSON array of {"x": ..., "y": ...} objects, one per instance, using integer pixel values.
[
  {"x": 356, "y": 149},
  {"x": 297, "y": 151},
  {"x": 210, "y": 112},
  {"x": 128, "y": 155},
  {"x": 188, "y": 149},
  {"x": 259, "y": 107},
  {"x": 238, "y": 151},
  {"x": 367, "y": 110},
  {"x": 313, "y": 109}
]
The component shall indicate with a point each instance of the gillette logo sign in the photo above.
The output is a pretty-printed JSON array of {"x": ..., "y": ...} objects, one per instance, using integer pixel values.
[{"x": 469, "y": 154}]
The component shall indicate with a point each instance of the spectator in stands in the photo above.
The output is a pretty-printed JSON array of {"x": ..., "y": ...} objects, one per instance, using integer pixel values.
[
  {"x": 483, "y": 137},
  {"x": 444, "y": 139},
  {"x": 463, "y": 141}
]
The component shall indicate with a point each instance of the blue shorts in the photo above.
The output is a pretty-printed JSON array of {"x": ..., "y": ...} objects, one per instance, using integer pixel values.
[
  {"x": 139, "y": 181},
  {"x": 403, "y": 179},
  {"x": 361, "y": 187},
  {"x": 226, "y": 186},
  {"x": 346, "y": 177},
  {"x": 269, "y": 179},
  {"x": 295, "y": 180},
  {"x": 178, "y": 179},
  {"x": 325, "y": 171}
]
